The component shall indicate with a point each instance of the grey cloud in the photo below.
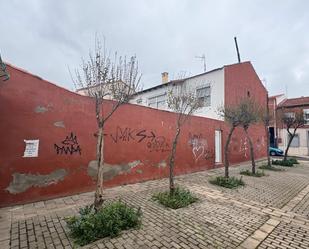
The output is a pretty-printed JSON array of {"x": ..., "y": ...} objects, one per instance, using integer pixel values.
[{"x": 45, "y": 37}]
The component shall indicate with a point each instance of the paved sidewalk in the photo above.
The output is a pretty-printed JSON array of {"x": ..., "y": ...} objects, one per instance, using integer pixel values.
[{"x": 269, "y": 212}]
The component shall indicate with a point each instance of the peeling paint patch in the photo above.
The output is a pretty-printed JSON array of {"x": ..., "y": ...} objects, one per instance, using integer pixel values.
[
  {"x": 21, "y": 182},
  {"x": 139, "y": 171},
  {"x": 110, "y": 171},
  {"x": 162, "y": 164},
  {"x": 59, "y": 124},
  {"x": 41, "y": 109},
  {"x": 134, "y": 164}
]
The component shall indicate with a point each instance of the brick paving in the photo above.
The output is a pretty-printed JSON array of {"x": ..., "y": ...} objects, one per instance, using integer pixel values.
[
  {"x": 303, "y": 206},
  {"x": 287, "y": 236},
  {"x": 269, "y": 212}
]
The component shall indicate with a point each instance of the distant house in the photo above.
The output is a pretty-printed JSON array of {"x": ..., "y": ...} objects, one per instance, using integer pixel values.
[
  {"x": 278, "y": 133},
  {"x": 273, "y": 102},
  {"x": 216, "y": 88}
]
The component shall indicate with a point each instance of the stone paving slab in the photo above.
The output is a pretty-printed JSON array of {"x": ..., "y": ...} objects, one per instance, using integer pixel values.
[
  {"x": 274, "y": 191},
  {"x": 287, "y": 236},
  {"x": 269, "y": 212},
  {"x": 254, "y": 240},
  {"x": 302, "y": 207}
]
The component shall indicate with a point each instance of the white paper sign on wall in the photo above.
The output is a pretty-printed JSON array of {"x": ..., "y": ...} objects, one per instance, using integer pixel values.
[{"x": 32, "y": 148}]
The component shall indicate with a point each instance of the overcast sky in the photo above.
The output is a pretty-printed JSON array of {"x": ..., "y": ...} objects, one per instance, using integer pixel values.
[{"x": 45, "y": 37}]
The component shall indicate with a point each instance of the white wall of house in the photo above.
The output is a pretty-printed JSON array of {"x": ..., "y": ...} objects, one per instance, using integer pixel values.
[
  {"x": 214, "y": 79},
  {"x": 280, "y": 98},
  {"x": 297, "y": 148}
]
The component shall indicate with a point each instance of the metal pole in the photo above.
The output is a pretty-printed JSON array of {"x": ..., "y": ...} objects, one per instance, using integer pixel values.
[{"x": 237, "y": 50}]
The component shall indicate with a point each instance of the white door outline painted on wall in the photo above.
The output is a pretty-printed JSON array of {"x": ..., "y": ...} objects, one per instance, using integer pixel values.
[{"x": 218, "y": 146}]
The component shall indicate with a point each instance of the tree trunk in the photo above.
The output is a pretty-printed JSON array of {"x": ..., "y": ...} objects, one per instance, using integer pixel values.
[
  {"x": 226, "y": 152},
  {"x": 288, "y": 146},
  {"x": 98, "y": 197},
  {"x": 172, "y": 160},
  {"x": 267, "y": 144},
  {"x": 251, "y": 151}
]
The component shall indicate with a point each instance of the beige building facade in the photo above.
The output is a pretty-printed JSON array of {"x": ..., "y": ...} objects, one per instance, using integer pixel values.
[{"x": 300, "y": 143}]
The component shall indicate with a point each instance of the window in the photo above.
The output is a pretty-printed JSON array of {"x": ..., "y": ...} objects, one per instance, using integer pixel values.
[
  {"x": 306, "y": 115},
  {"x": 157, "y": 101},
  {"x": 203, "y": 95},
  {"x": 295, "y": 141},
  {"x": 289, "y": 115}
]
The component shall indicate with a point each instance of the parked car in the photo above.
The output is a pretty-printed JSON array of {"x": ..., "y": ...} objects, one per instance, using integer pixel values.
[{"x": 275, "y": 151}]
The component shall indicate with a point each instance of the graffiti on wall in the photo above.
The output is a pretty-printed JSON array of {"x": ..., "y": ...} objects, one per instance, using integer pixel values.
[
  {"x": 128, "y": 134},
  {"x": 260, "y": 143},
  {"x": 153, "y": 142},
  {"x": 244, "y": 146},
  {"x": 200, "y": 149},
  {"x": 68, "y": 146},
  {"x": 158, "y": 144}
]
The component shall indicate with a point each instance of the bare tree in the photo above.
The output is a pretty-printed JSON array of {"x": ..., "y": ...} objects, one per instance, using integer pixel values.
[
  {"x": 105, "y": 78},
  {"x": 231, "y": 115},
  {"x": 184, "y": 101},
  {"x": 182, "y": 75},
  {"x": 243, "y": 114},
  {"x": 3, "y": 72},
  {"x": 292, "y": 121},
  {"x": 249, "y": 115}
]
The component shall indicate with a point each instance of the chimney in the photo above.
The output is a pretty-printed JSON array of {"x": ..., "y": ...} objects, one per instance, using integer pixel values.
[{"x": 164, "y": 77}]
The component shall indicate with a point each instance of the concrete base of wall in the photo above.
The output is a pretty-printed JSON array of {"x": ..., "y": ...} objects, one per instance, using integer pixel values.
[{"x": 44, "y": 198}]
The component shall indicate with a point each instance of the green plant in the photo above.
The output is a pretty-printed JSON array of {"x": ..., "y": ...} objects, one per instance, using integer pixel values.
[
  {"x": 249, "y": 173},
  {"x": 293, "y": 160},
  {"x": 110, "y": 220},
  {"x": 267, "y": 167},
  {"x": 231, "y": 182},
  {"x": 285, "y": 163},
  {"x": 180, "y": 198}
]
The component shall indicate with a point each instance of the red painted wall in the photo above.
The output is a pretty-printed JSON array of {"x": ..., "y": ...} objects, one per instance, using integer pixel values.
[
  {"x": 138, "y": 140},
  {"x": 241, "y": 81}
]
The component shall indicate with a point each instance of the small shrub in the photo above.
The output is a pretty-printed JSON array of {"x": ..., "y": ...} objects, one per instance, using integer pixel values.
[
  {"x": 293, "y": 160},
  {"x": 231, "y": 182},
  {"x": 180, "y": 198},
  {"x": 249, "y": 173},
  {"x": 110, "y": 220},
  {"x": 267, "y": 167},
  {"x": 285, "y": 163}
]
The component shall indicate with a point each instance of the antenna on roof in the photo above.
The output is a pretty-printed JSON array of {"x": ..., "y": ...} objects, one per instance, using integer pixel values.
[
  {"x": 203, "y": 58},
  {"x": 237, "y": 50}
]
